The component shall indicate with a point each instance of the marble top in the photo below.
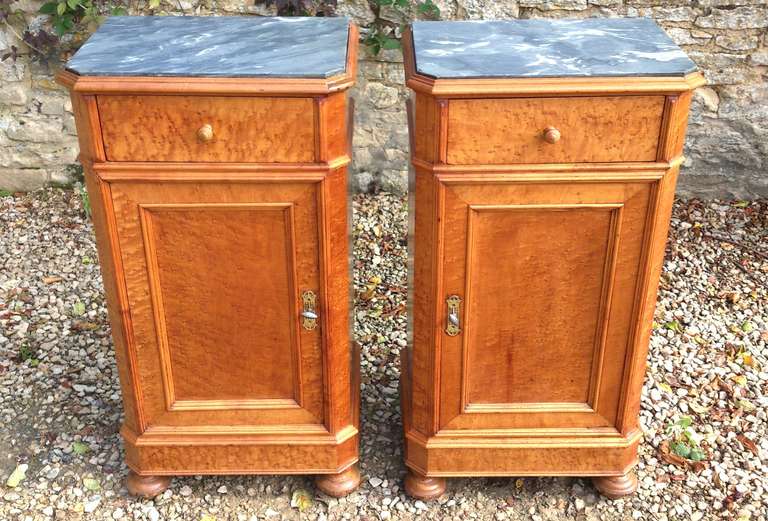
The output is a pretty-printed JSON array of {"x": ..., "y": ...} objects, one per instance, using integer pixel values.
[
  {"x": 227, "y": 46},
  {"x": 547, "y": 48}
]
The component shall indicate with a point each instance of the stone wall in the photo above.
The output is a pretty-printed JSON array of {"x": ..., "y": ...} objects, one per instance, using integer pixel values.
[{"x": 727, "y": 151}]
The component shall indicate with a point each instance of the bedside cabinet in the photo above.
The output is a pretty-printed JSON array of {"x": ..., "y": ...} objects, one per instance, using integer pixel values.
[
  {"x": 215, "y": 153},
  {"x": 545, "y": 156}
]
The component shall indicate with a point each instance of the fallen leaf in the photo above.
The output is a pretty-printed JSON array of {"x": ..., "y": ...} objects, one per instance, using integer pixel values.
[
  {"x": 670, "y": 457},
  {"x": 519, "y": 484},
  {"x": 82, "y": 325},
  {"x": 52, "y": 280},
  {"x": 674, "y": 325},
  {"x": 665, "y": 387},
  {"x": 697, "y": 408},
  {"x": 747, "y": 359},
  {"x": 740, "y": 379},
  {"x": 207, "y": 517},
  {"x": 747, "y": 327},
  {"x": 369, "y": 292},
  {"x": 301, "y": 500},
  {"x": 750, "y": 445},
  {"x": 17, "y": 476},
  {"x": 746, "y": 405},
  {"x": 91, "y": 484},
  {"x": 78, "y": 308}
]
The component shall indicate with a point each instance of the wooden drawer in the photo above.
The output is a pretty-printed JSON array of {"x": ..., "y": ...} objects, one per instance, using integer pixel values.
[
  {"x": 592, "y": 129},
  {"x": 244, "y": 129}
]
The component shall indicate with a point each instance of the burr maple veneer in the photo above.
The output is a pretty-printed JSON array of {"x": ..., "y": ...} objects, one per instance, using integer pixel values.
[
  {"x": 217, "y": 178},
  {"x": 545, "y": 156}
]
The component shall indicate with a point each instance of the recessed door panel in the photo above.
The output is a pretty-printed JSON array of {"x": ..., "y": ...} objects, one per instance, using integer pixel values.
[
  {"x": 215, "y": 276},
  {"x": 536, "y": 274},
  {"x": 223, "y": 277},
  {"x": 546, "y": 276}
]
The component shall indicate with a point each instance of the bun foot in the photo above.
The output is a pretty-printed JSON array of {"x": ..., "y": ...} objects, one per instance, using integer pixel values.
[
  {"x": 422, "y": 487},
  {"x": 341, "y": 484},
  {"x": 615, "y": 487},
  {"x": 146, "y": 486}
]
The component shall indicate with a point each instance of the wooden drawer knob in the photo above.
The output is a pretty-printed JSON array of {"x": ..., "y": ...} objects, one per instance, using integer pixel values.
[
  {"x": 551, "y": 135},
  {"x": 205, "y": 133}
]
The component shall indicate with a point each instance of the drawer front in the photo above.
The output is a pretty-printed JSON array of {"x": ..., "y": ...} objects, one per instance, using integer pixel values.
[
  {"x": 239, "y": 129},
  {"x": 591, "y": 130}
]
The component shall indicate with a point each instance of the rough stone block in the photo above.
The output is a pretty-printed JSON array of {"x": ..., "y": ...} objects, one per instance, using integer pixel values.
[
  {"x": 737, "y": 42},
  {"x": 15, "y": 93},
  {"x": 35, "y": 129},
  {"x": 746, "y": 17},
  {"x": 549, "y": 5},
  {"x": 22, "y": 180},
  {"x": 487, "y": 10}
]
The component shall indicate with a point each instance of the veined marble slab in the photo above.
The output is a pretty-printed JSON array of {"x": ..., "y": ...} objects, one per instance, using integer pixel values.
[
  {"x": 226, "y": 46},
  {"x": 547, "y": 48}
]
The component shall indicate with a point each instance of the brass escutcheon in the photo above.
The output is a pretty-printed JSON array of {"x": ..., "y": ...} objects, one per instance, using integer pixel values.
[
  {"x": 309, "y": 315},
  {"x": 453, "y": 323}
]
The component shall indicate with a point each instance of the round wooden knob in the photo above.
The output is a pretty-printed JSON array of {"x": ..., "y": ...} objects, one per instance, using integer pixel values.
[
  {"x": 551, "y": 135},
  {"x": 205, "y": 133}
]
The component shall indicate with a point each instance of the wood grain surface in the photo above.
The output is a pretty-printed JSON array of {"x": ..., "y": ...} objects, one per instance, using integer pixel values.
[
  {"x": 164, "y": 128},
  {"x": 498, "y": 131}
]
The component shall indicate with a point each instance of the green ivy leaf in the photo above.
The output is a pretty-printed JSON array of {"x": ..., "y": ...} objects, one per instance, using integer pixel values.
[
  {"x": 390, "y": 43},
  {"x": 696, "y": 455},
  {"x": 91, "y": 484},
  {"x": 78, "y": 308},
  {"x": 154, "y": 4},
  {"x": 48, "y": 8},
  {"x": 61, "y": 8},
  {"x": 681, "y": 449},
  {"x": 119, "y": 11},
  {"x": 73, "y": 4}
]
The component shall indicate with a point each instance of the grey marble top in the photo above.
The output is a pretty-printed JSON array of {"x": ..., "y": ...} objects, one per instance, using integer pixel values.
[
  {"x": 227, "y": 46},
  {"x": 547, "y": 48}
]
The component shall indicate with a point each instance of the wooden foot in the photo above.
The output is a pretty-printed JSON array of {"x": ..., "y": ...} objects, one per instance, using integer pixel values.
[
  {"x": 422, "y": 487},
  {"x": 615, "y": 487},
  {"x": 341, "y": 484},
  {"x": 146, "y": 486}
]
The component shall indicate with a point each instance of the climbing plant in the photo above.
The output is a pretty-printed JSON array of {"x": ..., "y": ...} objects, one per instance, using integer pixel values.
[
  {"x": 71, "y": 21},
  {"x": 304, "y": 7},
  {"x": 384, "y": 33}
]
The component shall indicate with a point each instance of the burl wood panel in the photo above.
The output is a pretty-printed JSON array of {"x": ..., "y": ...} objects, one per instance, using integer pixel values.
[
  {"x": 245, "y": 129},
  {"x": 593, "y": 129},
  {"x": 529, "y": 269},
  {"x": 209, "y": 264},
  {"x": 547, "y": 272},
  {"x": 226, "y": 298}
]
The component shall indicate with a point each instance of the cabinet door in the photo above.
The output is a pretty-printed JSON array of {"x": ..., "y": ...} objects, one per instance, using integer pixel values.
[
  {"x": 214, "y": 280},
  {"x": 546, "y": 274}
]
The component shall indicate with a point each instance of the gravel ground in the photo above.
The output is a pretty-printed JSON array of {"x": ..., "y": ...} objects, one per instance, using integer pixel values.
[{"x": 60, "y": 401}]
